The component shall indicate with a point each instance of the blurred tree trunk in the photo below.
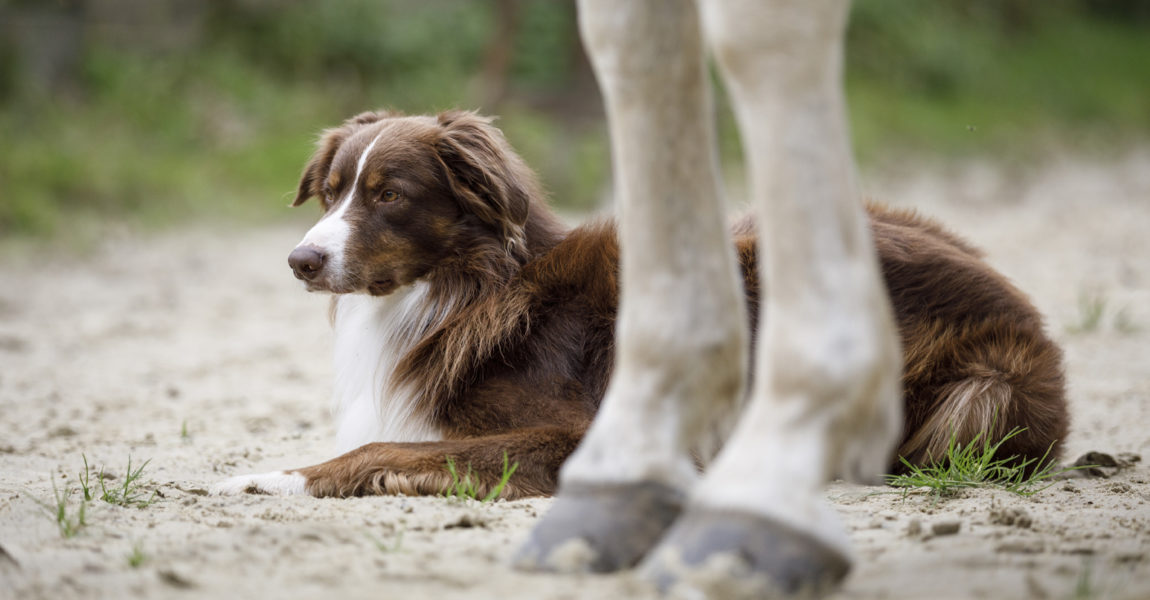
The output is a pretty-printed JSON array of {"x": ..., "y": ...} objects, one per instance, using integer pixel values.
[
  {"x": 495, "y": 73},
  {"x": 47, "y": 40}
]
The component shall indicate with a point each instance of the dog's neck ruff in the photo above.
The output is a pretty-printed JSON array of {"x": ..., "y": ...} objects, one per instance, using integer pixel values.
[{"x": 372, "y": 335}]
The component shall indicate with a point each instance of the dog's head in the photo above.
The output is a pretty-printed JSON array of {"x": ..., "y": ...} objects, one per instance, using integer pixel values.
[{"x": 403, "y": 195}]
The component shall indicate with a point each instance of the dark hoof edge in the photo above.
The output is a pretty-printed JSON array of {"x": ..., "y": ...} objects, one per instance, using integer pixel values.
[
  {"x": 601, "y": 528},
  {"x": 782, "y": 558}
]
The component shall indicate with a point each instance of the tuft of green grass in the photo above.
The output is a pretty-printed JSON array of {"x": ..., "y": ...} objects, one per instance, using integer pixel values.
[
  {"x": 68, "y": 523},
  {"x": 395, "y": 545},
  {"x": 184, "y": 435},
  {"x": 1091, "y": 308},
  {"x": 136, "y": 557},
  {"x": 466, "y": 487},
  {"x": 1094, "y": 310},
  {"x": 1083, "y": 588},
  {"x": 460, "y": 487},
  {"x": 85, "y": 480},
  {"x": 977, "y": 465},
  {"x": 129, "y": 493}
]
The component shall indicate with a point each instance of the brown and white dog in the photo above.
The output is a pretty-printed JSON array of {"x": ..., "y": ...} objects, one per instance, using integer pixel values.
[{"x": 471, "y": 324}]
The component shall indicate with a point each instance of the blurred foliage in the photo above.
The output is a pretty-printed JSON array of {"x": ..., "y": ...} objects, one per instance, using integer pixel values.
[
  {"x": 1002, "y": 77},
  {"x": 152, "y": 111}
]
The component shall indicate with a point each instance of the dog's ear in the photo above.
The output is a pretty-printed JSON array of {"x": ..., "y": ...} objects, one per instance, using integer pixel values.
[
  {"x": 485, "y": 174},
  {"x": 311, "y": 182}
]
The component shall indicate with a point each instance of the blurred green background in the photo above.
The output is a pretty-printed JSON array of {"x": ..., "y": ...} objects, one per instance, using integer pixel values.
[{"x": 153, "y": 112}]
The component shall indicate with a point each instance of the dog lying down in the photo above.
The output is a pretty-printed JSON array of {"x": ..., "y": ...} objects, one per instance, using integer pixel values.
[{"x": 471, "y": 325}]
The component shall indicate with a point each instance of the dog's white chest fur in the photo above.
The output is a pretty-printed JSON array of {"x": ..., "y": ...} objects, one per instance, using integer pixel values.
[{"x": 372, "y": 334}]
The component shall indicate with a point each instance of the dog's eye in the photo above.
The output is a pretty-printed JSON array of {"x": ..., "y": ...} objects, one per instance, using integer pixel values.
[{"x": 388, "y": 196}]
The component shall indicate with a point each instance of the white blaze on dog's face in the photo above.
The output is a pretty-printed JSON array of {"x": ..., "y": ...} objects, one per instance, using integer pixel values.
[
  {"x": 402, "y": 196},
  {"x": 330, "y": 236}
]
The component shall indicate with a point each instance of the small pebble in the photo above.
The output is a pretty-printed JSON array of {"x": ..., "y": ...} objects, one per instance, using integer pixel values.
[
  {"x": 914, "y": 528},
  {"x": 945, "y": 527}
]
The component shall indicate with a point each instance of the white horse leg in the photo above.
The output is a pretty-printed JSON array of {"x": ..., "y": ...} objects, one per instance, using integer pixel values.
[
  {"x": 826, "y": 399},
  {"x": 681, "y": 332}
]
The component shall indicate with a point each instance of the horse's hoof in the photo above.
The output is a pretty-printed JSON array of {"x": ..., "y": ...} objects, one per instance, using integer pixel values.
[
  {"x": 725, "y": 552},
  {"x": 600, "y": 529}
]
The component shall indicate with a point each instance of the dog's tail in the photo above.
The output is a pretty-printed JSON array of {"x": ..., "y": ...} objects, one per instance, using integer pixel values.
[{"x": 988, "y": 383}]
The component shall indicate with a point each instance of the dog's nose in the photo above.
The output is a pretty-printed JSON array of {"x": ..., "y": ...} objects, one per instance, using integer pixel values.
[{"x": 306, "y": 262}]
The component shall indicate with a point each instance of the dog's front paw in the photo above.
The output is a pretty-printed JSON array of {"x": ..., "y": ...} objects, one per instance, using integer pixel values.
[{"x": 278, "y": 483}]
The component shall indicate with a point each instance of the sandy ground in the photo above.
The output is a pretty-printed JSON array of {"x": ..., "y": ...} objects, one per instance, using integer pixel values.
[{"x": 197, "y": 351}]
